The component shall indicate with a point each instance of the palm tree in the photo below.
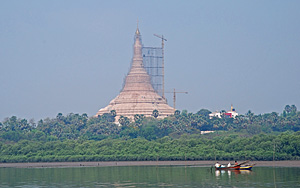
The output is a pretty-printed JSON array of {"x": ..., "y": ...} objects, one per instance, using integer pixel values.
[
  {"x": 59, "y": 116},
  {"x": 287, "y": 108},
  {"x": 113, "y": 113},
  {"x": 250, "y": 116},
  {"x": 177, "y": 113},
  {"x": 293, "y": 109},
  {"x": 138, "y": 118},
  {"x": 124, "y": 121},
  {"x": 155, "y": 113}
]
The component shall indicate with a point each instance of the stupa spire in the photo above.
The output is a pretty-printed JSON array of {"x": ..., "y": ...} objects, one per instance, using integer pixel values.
[
  {"x": 137, "y": 32},
  {"x": 137, "y": 79}
]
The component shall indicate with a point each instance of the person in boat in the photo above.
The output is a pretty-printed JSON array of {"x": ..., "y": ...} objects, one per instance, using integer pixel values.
[
  {"x": 229, "y": 165},
  {"x": 218, "y": 165},
  {"x": 235, "y": 163}
]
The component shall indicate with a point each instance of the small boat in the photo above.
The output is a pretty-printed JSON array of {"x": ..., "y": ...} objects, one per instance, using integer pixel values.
[
  {"x": 248, "y": 167},
  {"x": 235, "y": 167},
  {"x": 223, "y": 167}
]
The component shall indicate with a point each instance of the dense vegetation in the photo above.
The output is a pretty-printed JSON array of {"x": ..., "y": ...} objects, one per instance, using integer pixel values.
[
  {"x": 284, "y": 146},
  {"x": 81, "y": 138}
]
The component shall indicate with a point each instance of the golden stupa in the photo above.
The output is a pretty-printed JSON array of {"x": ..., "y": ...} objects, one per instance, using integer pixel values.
[{"x": 137, "y": 95}]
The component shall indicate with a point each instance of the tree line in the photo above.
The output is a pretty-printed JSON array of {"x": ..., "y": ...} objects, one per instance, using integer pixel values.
[
  {"x": 76, "y": 126},
  {"x": 71, "y": 130},
  {"x": 285, "y": 146}
]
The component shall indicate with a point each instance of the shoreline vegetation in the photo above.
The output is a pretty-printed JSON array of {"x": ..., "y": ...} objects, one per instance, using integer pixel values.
[
  {"x": 220, "y": 147},
  {"x": 143, "y": 163},
  {"x": 79, "y": 138}
]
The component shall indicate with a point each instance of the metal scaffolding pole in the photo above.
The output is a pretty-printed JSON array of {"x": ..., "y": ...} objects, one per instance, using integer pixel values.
[{"x": 163, "y": 63}]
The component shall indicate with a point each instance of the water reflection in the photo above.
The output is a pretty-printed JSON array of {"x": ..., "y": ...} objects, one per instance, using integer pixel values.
[
  {"x": 228, "y": 172},
  {"x": 145, "y": 176}
]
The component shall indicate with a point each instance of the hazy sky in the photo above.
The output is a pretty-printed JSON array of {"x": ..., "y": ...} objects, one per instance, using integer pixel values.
[{"x": 72, "y": 56}]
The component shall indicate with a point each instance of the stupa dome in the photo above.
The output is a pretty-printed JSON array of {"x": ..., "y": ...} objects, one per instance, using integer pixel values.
[{"x": 137, "y": 95}]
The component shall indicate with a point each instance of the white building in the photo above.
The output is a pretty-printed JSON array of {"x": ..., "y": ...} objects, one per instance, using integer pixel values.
[
  {"x": 215, "y": 114},
  {"x": 229, "y": 114}
]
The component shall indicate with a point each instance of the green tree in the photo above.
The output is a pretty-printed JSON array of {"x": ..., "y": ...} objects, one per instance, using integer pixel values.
[
  {"x": 287, "y": 108},
  {"x": 155, "y": 113},
  {"x": 293, "y": 109},
  {"x": 177, "y": 113},
  {"x": 204, "y": 112},
  {"x": 124, "y": 121},
  {"x": 113, "y": 113},
  {"x": 138, "y": 119}
]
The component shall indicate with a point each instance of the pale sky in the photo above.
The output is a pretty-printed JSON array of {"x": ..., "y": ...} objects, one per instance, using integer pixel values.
[{"x": 72, "y": 56}]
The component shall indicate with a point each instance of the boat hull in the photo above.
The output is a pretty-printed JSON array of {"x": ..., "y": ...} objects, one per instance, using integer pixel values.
[
  {"x": 246, "y": 167},
  {"x": 228, "y": 168}
]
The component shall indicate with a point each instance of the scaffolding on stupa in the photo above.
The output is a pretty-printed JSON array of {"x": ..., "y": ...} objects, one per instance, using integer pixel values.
[
  {"x": 138, "y": 96},
  {"x": 153, "y": 63}
]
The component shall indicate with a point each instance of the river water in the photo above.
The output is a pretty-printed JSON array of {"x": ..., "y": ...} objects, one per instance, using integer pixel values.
[{"x": 148, "y": 176}]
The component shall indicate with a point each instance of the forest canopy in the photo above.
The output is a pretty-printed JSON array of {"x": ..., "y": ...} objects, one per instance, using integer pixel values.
[{"x": 76, "y": 137}]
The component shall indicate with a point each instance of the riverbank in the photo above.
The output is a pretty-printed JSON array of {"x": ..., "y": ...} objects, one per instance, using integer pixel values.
[{"x": 142, "y": 163}]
